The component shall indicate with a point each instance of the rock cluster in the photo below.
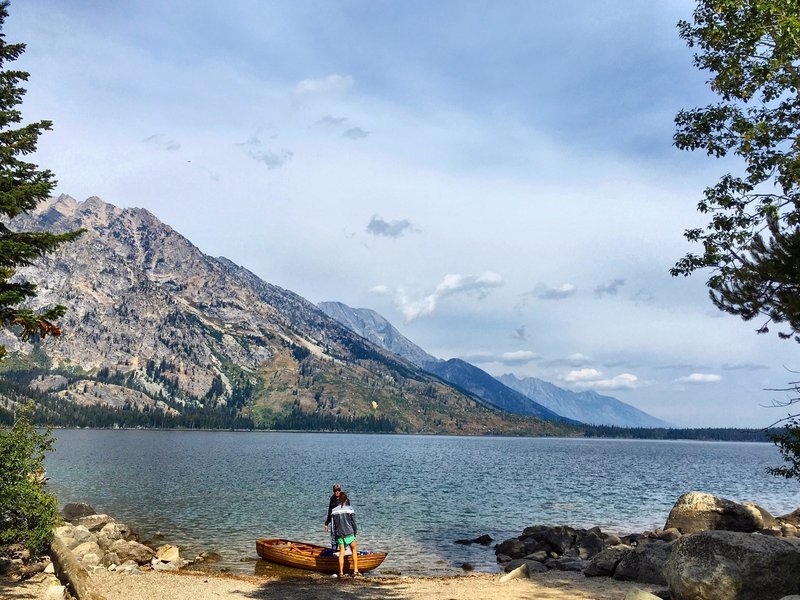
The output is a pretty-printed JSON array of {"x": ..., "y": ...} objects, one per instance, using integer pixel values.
[
  {"x": 709, "y": 549},
  {"x": 98, "y": 541}
]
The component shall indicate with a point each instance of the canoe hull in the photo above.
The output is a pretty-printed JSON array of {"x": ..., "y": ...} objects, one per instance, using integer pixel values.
[{"x": 301, "y": 555}]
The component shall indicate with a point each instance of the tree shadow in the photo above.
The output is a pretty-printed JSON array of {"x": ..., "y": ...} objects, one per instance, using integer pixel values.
[
  {"x": 324, "y": 588},
  {"x": 18, "y": 590}
]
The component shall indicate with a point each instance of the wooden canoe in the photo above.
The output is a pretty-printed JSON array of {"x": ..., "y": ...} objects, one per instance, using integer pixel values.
[{"x": 301, "y": 555}]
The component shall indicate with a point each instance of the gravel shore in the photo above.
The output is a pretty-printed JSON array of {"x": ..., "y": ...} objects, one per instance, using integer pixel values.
[{"x": 206, "y": 586}]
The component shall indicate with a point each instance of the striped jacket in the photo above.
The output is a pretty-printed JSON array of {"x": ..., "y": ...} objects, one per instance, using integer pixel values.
[{"x": 344, "y": 521}]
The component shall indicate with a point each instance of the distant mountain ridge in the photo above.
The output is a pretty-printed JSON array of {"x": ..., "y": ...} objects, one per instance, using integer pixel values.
[
  {"x": 372, "y": 326},
  {"x": 529, "y": 396},
  {"x": 588, "y": 407},
  {"x": 156, "y": 327}
]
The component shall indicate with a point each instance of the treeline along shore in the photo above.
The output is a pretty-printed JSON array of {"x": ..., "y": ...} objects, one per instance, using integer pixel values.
[{"x": 51, "y": 409}]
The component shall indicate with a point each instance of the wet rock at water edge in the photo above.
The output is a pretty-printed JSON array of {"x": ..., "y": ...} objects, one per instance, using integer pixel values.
[{"x": 483, "y": 540}]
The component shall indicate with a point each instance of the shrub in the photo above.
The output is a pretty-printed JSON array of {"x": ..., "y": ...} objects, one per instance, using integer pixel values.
[{"x": 27, "y": 511}]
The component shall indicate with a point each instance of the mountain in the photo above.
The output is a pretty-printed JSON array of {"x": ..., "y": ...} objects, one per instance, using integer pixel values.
[
  {"x": 372, "y": 326},
  {"x": 157, "y": 331},
  {"x": 529, "y": 396},
  {"x": 587, "y": 407}
]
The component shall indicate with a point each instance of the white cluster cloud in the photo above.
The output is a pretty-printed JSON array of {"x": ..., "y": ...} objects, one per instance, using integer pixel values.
[
  {"x": 544, "y": 292},
  {"x": 700, "y": 378},
  {"x": 479, "y": 285},
  {"x": 592, "y": 379}
]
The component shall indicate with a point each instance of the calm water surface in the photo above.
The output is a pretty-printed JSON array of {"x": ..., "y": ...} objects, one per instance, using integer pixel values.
[{"x": 413, "y": 495}]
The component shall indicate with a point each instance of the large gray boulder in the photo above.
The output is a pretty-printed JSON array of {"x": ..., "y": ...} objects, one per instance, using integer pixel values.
[
  {"x": 605, "y": 563},
  {"x": 76, "y": 510},
  {"x": 698, "y": 511},
  {"x": 730, "y": 565},
  {"x": 130, "y": 550},
  {"x": 646, "y": 563},
  {"x": 513, "y": 548}
]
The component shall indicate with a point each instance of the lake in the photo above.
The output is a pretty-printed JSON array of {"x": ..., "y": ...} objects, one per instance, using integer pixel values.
[{"x": 413, "y": 495}]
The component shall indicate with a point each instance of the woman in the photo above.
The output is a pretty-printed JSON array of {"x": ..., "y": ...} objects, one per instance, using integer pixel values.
[{"x": 343, "y": 518}]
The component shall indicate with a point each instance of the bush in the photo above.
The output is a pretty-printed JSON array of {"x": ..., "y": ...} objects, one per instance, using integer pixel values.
[{"x": 27, "y": 511}]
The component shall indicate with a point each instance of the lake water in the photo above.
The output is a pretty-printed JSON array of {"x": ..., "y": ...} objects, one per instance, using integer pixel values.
[{"x": 413, "y": 495}]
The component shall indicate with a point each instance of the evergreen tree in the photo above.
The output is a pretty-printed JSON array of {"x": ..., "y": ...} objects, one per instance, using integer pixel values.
[{"x": 22, "y": 187}]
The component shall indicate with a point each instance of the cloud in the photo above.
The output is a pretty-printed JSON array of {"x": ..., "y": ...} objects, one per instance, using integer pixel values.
[
  {"x": 520, "y": 334},
  {"x": 393, "y": 229},
  {"x": 623, "y": 381},
  {"x": 273, "y": 159},
  {"x": 592, "y": 379},
  {"x": 380, "y": 290},
  {"x": 355, "y": 133},
  {"x": 162, "y": 142},
  {"x": 700, "y": 378},
  {"x": 582, "y": 375},
  {"x": 547, "y": 293},
  {"x": 323, "y": 85},
  {"x": 610, "y": 288},
  {"x": 478, "y": 285}
]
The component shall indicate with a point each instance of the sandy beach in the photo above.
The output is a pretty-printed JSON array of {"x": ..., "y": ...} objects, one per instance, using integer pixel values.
[{"x": 193, "y": 585}]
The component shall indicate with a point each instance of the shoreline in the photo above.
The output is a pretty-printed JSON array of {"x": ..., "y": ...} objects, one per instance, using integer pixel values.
[{"x": 198, "y": 585}]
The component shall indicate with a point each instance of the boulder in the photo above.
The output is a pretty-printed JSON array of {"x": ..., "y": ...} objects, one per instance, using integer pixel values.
[
  {"x": 560, "y": 538},
  {"x": 85, "y": 548},
  {"x": 605, "y": 563},
  {"x": 76, "y": 510},
  {"x": 80, "y": 534},
  {"x": 566, "y": 563},
  {"x": 513, "y": 548},
  {"x": 520, "y": 572},
  {"x": 698, "y": 511},
  {"x": 768, "y": 521},
  {"x": 669, "y": 535},
  {"x": 645, "y": 564},
  {"x": 590, "y": 545},
  {"x": 538, "y": 556},
  {"x": 94, "y": 522},
  {"x": 130, "y": 550},
  {"x": 793, "y": 518},
  {"x": 168, "y": 553},
  {"x": 483, "y": 540},
  {"x": 730, "y": 565},
  {"x": 108, "y": 534}
]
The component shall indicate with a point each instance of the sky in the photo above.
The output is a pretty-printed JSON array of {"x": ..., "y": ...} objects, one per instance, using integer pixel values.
[{"x": 496, "y": 178}]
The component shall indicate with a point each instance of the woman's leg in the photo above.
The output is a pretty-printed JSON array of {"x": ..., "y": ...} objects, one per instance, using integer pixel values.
[
  {"x": 354, "y": 548},
  {"x": 341, "y": 560}
]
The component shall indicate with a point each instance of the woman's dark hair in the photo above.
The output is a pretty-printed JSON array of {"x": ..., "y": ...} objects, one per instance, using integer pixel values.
[{"x": 342, "y": 498}]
